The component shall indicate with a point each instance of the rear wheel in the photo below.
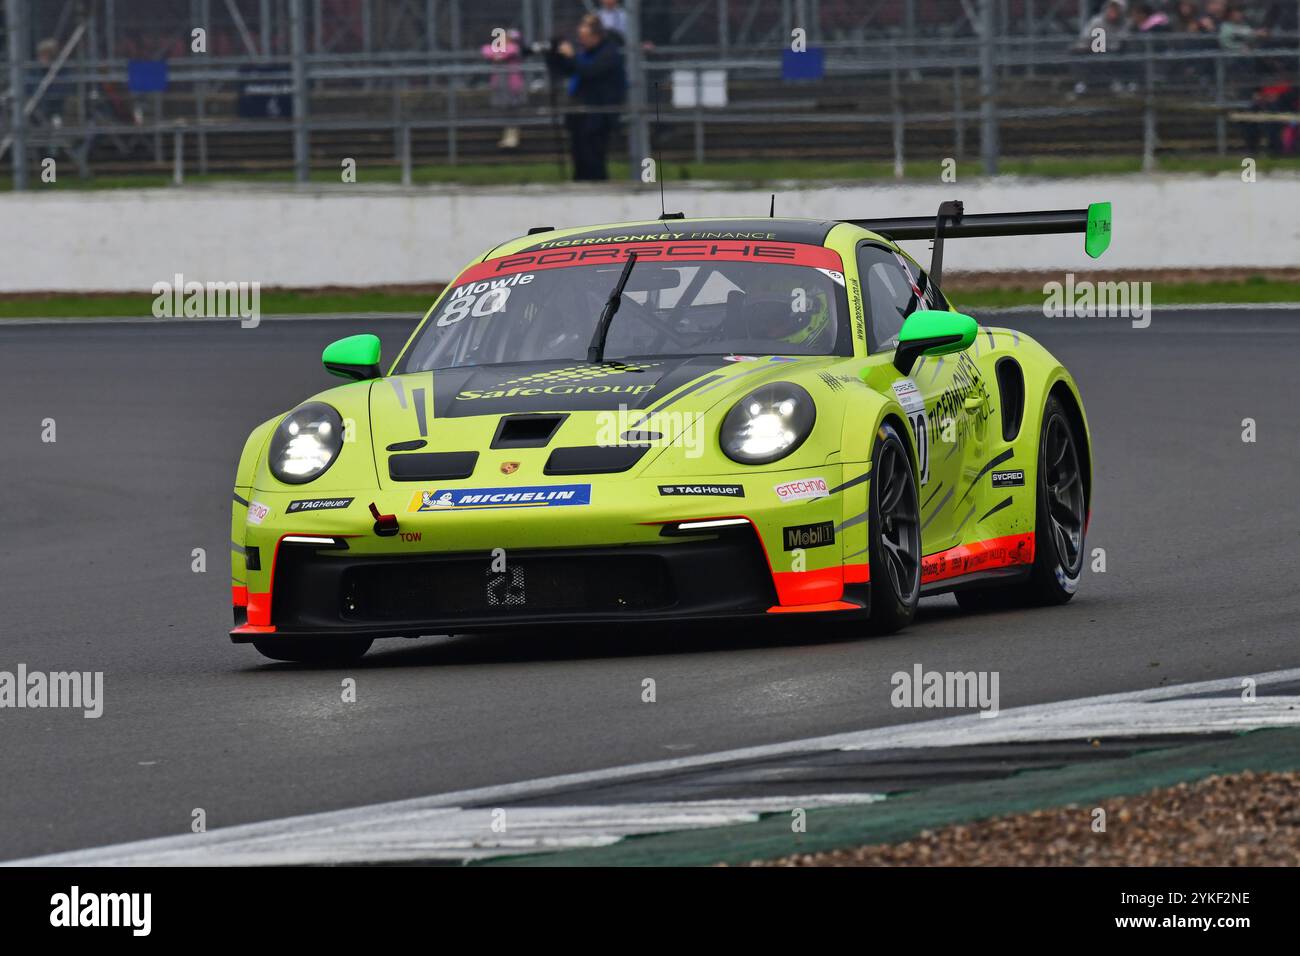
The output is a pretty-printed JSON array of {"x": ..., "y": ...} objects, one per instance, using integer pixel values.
[
  {"x": 330, "y": 651},
  {"x": 1062, "y": 512},
  {"x": 894, "y": 534}
]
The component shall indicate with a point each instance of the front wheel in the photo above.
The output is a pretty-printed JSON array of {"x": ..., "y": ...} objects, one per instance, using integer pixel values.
[
  {"x": 343, "y": 650},
  {"x": 894, "y": 534}
]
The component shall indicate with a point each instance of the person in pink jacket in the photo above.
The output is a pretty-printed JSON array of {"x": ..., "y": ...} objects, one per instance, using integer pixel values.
[{"x": 508, "y": 91}]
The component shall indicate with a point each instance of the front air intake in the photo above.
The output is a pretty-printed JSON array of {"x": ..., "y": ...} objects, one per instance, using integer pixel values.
[
  {"x": 432, "y": 465},
  {"x": 594, "y": 459},
  {"x": 527, "y": 431}
]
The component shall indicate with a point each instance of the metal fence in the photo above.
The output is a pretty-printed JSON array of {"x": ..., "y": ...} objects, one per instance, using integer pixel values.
[{"x": 915, "y": 87}]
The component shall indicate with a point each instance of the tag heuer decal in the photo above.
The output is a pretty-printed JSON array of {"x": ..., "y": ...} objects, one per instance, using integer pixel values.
[{"x": 714, "y": 491}]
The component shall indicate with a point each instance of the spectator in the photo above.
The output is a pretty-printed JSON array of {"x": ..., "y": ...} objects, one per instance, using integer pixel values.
[
  {"x": 1194, "y": 36},
  {"x": 1146, "y": 20},
  {"x": 614, "y": 19},
  {"x": 54, "y": 103},
  {"x": 508, "y": 93},
  {"x": 1108, "y": 27},
  {"x": 1110, "y": 20},
  {"x": 596, "y": 79},
  {"x": 1215, "y": 11},
  {"x": 1280, "y": 136},
  {"x": 1187, "y": 17},
  {"x": 1236, "y": 35}
]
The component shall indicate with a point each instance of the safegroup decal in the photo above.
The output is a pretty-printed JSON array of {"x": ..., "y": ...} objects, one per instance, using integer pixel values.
[{"x": 533, "y": 496}]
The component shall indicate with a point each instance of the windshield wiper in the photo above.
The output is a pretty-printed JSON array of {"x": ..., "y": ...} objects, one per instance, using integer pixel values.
[{"x": 596, "y": 351}]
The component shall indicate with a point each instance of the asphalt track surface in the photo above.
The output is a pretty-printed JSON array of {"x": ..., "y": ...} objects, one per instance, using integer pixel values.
[{"x": 96, "y": 530}]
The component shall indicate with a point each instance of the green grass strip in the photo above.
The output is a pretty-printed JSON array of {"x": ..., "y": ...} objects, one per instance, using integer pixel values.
[{"x": 276, "y": 302}]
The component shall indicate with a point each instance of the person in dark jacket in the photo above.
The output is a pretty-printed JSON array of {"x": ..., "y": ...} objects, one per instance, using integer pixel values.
[{"x": 597, "y": 78}]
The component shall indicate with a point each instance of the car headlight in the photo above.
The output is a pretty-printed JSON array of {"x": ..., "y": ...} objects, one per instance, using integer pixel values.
[
  {"x": 305, "y": 443},
  {"x": 767, "y": 424}
]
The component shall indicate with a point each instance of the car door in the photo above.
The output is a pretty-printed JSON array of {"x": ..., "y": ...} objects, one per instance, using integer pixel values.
[{"x": 945, "y": 397}]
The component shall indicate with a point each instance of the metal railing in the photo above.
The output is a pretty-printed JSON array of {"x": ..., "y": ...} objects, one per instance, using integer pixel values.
[{"x": 1156, "y": 75}]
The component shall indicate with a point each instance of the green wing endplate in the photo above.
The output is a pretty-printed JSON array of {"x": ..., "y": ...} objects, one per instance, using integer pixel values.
[{"x": 1096, "y": 238}]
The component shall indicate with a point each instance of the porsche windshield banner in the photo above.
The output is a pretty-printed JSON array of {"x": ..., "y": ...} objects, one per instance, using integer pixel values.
[{"x": 790, "y": 253}]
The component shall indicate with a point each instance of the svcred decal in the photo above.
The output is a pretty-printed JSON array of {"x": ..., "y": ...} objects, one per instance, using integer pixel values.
[
  {"x": 802, "y": 489},
  {"x": 75, "y": 908}
]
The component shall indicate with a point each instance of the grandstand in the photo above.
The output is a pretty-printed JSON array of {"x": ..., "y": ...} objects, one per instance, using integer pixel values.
[{"x": 294, "y": 85}]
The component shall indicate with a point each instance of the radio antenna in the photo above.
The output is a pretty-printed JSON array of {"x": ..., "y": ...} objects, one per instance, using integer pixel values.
[
  {"x": 654, "y": 142},
  {"x": 659, "y": 166},
  {"x": 771, "y": 212}
]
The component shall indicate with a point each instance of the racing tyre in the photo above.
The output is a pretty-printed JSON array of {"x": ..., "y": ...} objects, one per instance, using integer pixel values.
[
  {"x": 1062, "y": 513},
  {"x": 894, "y": 534},
  {"x": 335, "y": 651}
]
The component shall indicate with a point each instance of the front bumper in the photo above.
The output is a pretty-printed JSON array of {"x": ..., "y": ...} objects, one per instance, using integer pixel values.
[
  {"x": 622, "y": 558},
  {"x": 329, "y": 592}
]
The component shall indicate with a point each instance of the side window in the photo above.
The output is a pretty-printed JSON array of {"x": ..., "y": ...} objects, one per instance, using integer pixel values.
[{"x": 894, "y": 288}]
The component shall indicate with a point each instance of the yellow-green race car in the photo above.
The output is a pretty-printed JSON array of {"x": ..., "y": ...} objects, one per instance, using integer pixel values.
[{"x": 673, "y": 420}]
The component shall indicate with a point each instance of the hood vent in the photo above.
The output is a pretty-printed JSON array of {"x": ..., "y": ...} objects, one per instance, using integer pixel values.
[
  {"x": 527, "y": 431},
  {"x": 432, "y": 465},
  {"x": 594, "y": 459}
]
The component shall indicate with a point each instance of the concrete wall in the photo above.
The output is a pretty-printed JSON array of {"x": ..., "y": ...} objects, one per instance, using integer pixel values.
[{"x": 357, "y": 235}]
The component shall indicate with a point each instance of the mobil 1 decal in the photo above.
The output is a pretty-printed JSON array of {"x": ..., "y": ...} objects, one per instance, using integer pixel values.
[{"x": 809, "y": 535}]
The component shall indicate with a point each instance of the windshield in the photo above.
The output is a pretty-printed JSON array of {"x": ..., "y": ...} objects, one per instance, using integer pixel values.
[{"x": 681, "y": 299}]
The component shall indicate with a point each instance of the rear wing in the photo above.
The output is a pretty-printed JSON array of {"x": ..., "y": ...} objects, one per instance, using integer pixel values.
[{"x": 953, "y": 223}]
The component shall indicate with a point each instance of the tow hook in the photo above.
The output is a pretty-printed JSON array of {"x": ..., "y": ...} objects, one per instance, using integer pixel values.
[{"x": 385, "y": 525}]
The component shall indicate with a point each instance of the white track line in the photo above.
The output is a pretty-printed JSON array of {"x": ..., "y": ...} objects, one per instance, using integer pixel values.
[
  {"x": 450, "y": 833},
  {"x": 457, "y": 825}
]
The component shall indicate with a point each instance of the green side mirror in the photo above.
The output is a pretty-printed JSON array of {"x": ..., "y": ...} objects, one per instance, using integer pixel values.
[
  {"x": 930, "y": 332},
  {"x": 356, "y": 357}
]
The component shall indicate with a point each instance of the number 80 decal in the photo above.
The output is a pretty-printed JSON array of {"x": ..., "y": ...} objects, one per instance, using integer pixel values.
[{"x": 478, "y": 305}]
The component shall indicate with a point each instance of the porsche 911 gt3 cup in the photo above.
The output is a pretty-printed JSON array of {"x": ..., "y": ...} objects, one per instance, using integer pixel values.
[{"x": 667, "y": 421}]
